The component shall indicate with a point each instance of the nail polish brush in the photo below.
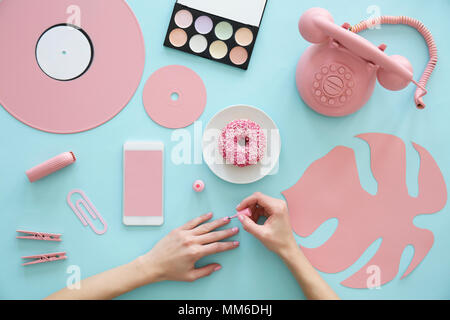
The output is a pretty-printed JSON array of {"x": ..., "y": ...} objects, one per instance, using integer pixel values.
[{"x": 247, "y": 212}]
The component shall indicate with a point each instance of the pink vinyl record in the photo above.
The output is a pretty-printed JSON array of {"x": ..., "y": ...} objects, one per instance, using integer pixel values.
[
  {"x": 68, "y": 66},
  {"x": 174, "y": 96}
]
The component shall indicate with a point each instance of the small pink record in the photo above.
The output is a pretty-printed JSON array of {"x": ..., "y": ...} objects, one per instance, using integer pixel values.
[
  {"x": 174, "y": 96},
  {"x": 68, "y": 66}
]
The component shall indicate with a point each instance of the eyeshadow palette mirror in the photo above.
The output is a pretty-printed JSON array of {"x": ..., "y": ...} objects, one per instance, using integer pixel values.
[{"x": 219, "y": 30}]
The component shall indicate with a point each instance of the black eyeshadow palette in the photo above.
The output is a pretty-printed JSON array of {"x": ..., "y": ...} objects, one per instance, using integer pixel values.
[{"x": 214, "y": 36}]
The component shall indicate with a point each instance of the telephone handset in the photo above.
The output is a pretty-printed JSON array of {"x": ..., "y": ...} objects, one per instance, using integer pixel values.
[{"x": 336, "y": 75}]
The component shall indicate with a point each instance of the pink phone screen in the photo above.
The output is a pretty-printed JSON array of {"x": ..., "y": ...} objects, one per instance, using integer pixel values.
[{"x": 143, "y": 174}]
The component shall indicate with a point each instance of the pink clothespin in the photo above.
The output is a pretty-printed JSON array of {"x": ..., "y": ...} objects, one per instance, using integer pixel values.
[
  {"x": 247, "y": 212},
  {"x": 47, "y": 257},
  {"x": 31, "y": 235}
]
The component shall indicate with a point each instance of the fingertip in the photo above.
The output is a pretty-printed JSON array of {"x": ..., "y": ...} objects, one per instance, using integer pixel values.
[
  {"x": 217, "y": 268},
  {"x": 208, "y": 216}
]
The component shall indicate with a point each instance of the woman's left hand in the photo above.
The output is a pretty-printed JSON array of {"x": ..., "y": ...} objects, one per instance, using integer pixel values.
[{"x": 174, "y": 257}]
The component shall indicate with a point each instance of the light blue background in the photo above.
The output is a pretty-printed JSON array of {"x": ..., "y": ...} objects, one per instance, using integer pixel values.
[{"x": 250, "y": 272}]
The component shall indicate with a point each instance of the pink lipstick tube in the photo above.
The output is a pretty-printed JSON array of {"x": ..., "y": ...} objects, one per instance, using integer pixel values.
[{"x": 50, "y": 166}]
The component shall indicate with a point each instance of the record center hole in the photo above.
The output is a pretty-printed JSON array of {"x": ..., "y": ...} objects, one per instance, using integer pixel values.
[
  {"x": 174, "y": 96},
  {"x": 64, "y": 52}
]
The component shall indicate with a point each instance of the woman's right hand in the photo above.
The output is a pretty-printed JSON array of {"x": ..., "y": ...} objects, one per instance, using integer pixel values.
[{"x": 276, "y": 233}]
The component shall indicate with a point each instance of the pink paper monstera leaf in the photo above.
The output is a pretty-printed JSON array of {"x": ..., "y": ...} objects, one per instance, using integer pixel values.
[{"x": 330, "y": 188}]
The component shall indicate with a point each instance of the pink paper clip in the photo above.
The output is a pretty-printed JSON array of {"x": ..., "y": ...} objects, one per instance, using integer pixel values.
[
  {"x": 247, "y": 212},
  {"x": 47, "y": 257},
  {"x": 87, "y": 204},
  {"x": 31, "y": 235}
]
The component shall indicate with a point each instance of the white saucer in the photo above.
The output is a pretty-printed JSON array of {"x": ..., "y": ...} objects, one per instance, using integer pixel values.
[{"x": 229, "y": 172}]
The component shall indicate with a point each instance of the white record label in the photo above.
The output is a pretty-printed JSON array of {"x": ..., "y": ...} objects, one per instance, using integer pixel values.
[{"x": 64, "y": 52}]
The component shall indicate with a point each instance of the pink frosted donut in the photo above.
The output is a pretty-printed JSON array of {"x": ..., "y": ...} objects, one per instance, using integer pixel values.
[{"x": 242, "y": 143}]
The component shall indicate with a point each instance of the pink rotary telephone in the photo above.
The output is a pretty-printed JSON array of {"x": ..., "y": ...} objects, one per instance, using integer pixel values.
[{"x": 336, "y": 76}]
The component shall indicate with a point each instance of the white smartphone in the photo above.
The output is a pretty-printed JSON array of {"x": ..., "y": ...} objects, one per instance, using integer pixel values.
[{"x": 143, "y": 183}]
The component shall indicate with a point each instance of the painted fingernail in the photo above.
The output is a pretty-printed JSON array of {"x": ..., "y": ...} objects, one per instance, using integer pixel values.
[
  {"x": 209, "y": 214},
  {"x": 226, "y": 219},
  {"x": 236, "y": 243},
  {"x": 235, "y": 229},
  {"x": 217, "y": 268},
  {"x": 241, "y": 217}
]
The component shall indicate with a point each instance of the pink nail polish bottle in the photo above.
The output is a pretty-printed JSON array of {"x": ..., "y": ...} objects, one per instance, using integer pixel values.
[{"x": 198, "y": 186}]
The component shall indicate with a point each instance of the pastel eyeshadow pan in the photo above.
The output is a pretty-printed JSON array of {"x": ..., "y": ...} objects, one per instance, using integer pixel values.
[
  {"x": 203, "y": 25},
  {"x": 198, "y": 43},
  {"x": 238, "y": 55},
  {"x": 218, "y": 49},
  {"x": 244, "y": 37},
  {"x": 183, "y": 19},
  {"x": 224, "y": 30},
  {"x": 178, "y": 37}
]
